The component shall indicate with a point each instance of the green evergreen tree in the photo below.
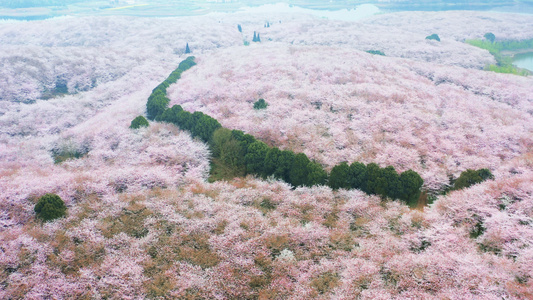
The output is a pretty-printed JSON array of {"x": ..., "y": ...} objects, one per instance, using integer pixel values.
[
  {"x": 184, "y": 120},
  {"x": 260, "y": 104},
  {"x": 393, "y": 187},
  {"x": 170, "y": 115},
  {"x": 187, "y": 49},
  {"x": 339, "y": 177},
  {"x": 161, "y": 89},
  {"x": 358, "y": 176},
  {"x": 239, "y": 28},
  {"x": 411, "y": 184},
  {"x": 376, "y": 52},
  {"x": 220, "y": 137},
  {"x": 490, "y": 37},
  {"x": 467, "y": 179},
  {"x": 286, "y": 160},
  {"x": 299, "y": 171},
  {"x": 258, "y": 37},
  {"x": 381, "y": 185},
  {"x": 373, "y": 182},
  {"x": 204, "y": 127},
  {"x": 244, "y": 139},
  {"x": 272, "y": 161},
  {"x": 195, "y": 117},
  {"x": 255, "y": 158},
  {"x": 315, "y": 174},
  {"x": 485, "y": 174},
  {"x": 156, "y": 105},
  {"x": 433, "y": 37},
  {"x": 50, "y": 207},
  {"x": 255, "y": 37},
  {"x": 139, "y": 122},
  {"x": 225, "y": 147}
]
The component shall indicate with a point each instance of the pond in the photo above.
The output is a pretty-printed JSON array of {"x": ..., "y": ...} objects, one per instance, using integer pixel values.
[{"x": 524, "y": 60}]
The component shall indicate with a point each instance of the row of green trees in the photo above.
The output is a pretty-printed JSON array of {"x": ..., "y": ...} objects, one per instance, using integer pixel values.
[
  {"x": 373, "y": 179},
  {"x": 242, "y": 152},
  {"x": 237, "y": 154},
  {"x": 198, "y": 124},
  {"x": 247, "y": 155},
  {"x": 158, "y": 101}
]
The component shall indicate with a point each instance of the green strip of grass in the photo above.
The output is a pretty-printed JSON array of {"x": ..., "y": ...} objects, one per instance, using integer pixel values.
[{"x": 504, "y": 63}]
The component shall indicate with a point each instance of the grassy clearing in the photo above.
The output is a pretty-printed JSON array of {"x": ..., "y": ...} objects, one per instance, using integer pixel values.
[{"x": 504, "y": 63}]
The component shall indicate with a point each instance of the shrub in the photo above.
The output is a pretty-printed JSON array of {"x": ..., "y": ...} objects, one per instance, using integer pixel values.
[
  {"x": 471, "y": 177},
  {"x": 139, "y": 122},
  {"x": 433, "y": 37},
  {"x": 260, "y": 104},
  {"x": 376, "y": 52},
  {"x": 490, "y": 37},
  {"x": 50, "y": 207},
  {"x": 485, "y": 174}
]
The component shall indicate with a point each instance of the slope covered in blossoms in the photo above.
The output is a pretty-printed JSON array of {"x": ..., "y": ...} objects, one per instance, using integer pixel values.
[
  {"x": 251, "y": 238},
  {"x": 142, "y": 222},
  {"x": 338, "y": 105}
]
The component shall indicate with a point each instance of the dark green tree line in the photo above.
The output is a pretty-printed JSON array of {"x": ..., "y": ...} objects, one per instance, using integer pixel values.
[{"x": 158, "y": 101}]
